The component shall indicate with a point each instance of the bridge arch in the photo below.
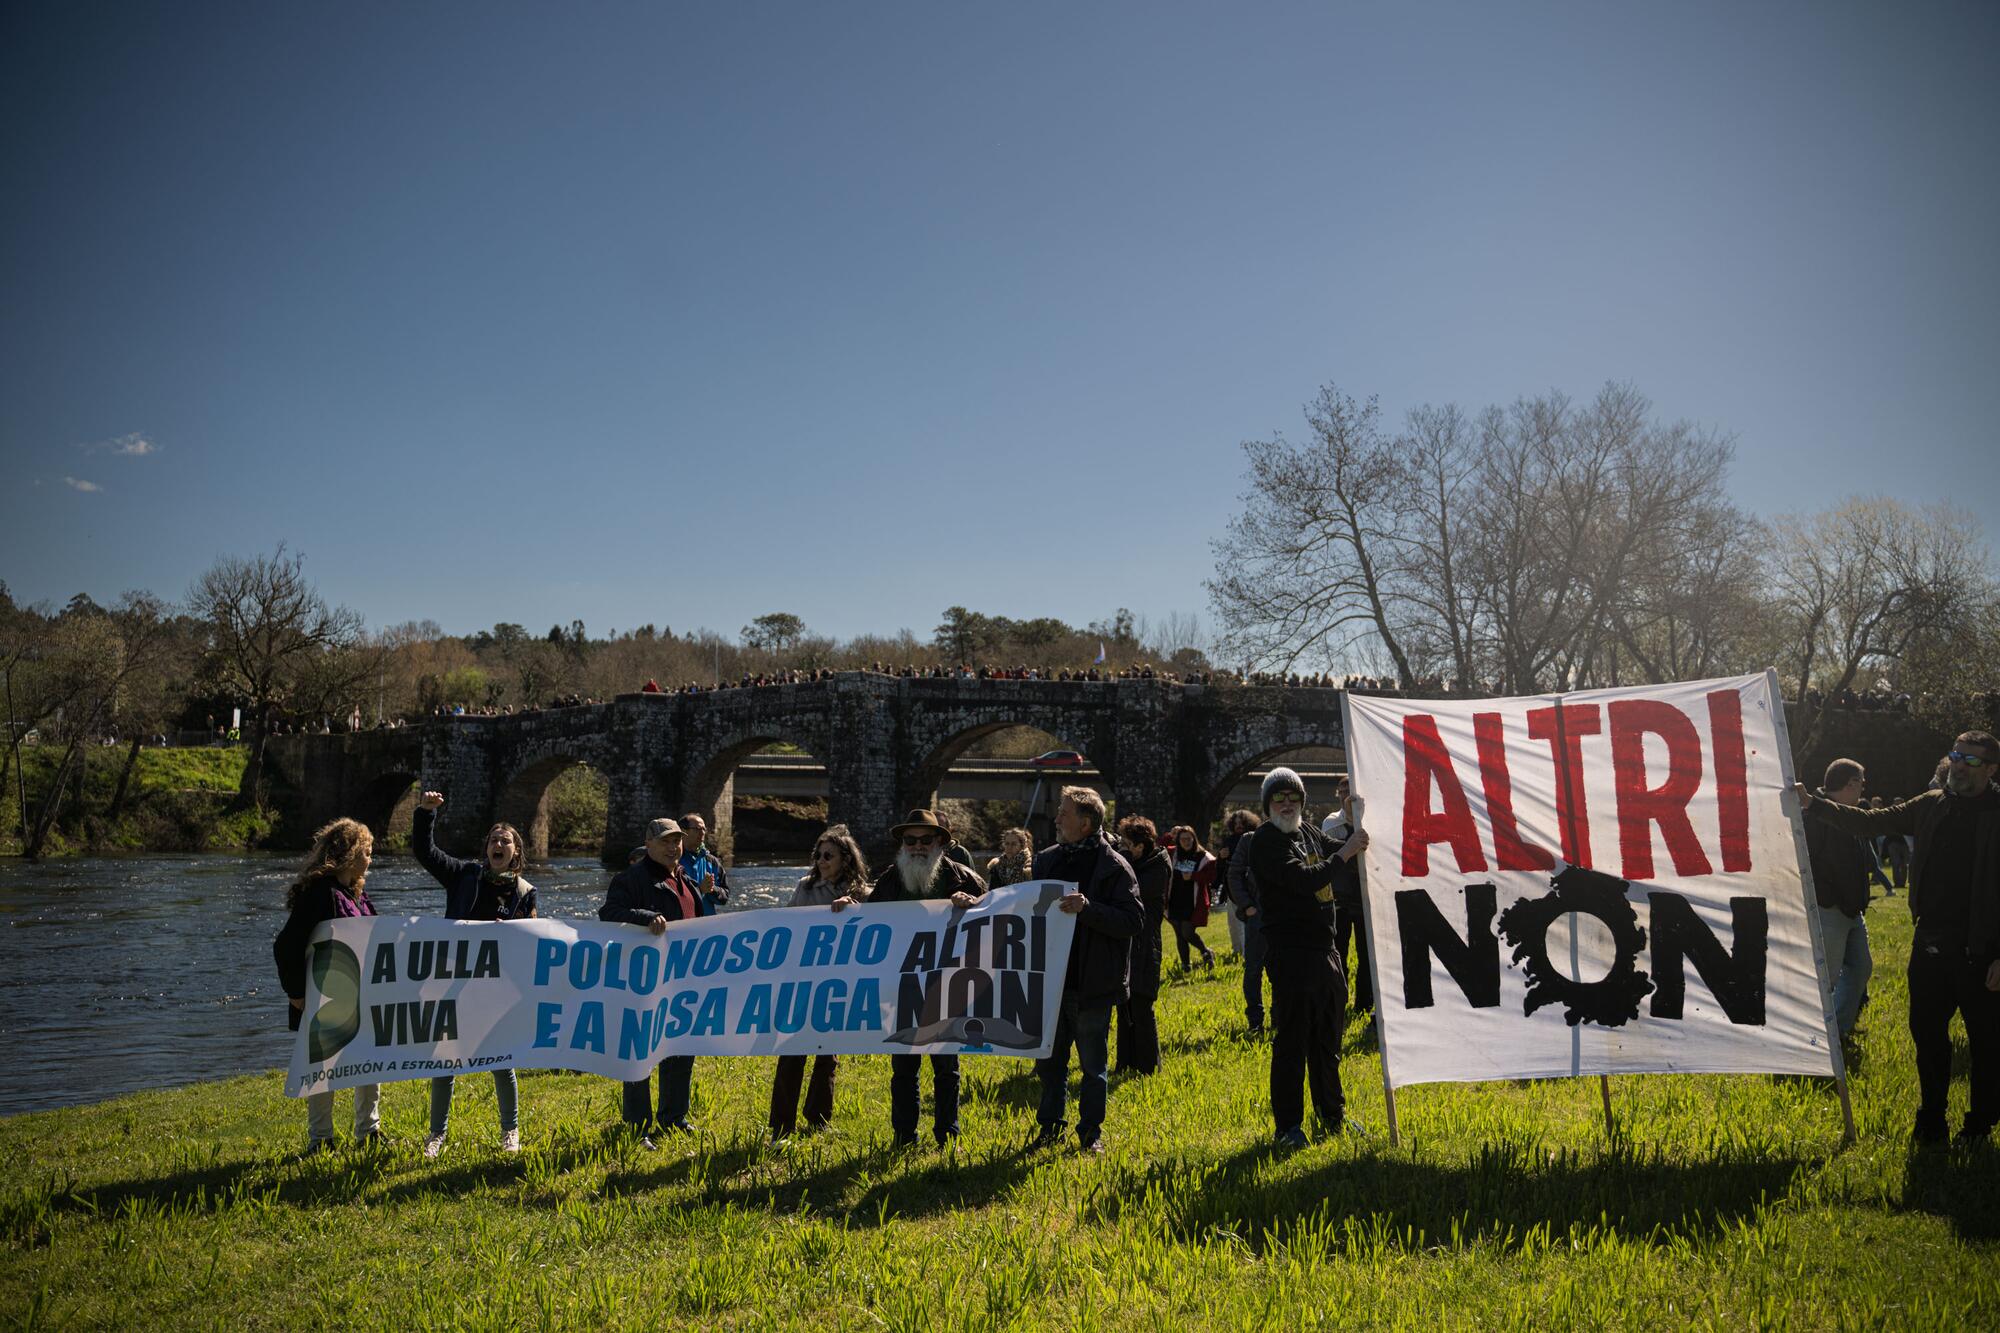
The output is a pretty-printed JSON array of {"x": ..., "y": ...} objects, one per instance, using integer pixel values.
[
  {"x": 1257, "y": 743},
  {"x": 709, "y": 788},
  {"x": 523, "y": 795},
  {"x": 386, "y": 802}
]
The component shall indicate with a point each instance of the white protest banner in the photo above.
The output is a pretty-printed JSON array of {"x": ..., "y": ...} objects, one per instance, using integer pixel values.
[
  {"x": 414, "y": 997},
  {"x": 1603, "y": 882}
]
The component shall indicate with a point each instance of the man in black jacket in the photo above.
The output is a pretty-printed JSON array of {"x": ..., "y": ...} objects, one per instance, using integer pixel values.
[
  {"x": 1138, "y": 1025},
  {"x": 1295, "y": 865},
  {"x": 1841, "y": 867},
  {"x": 1108, "y": 914},
  {"x": 1955, "y": 898},
  {"x": 924, "y": 869},
  {"x": 652, "y": 892}
]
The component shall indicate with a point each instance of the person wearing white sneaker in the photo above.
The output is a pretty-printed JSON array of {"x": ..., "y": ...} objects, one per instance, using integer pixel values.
[
  {"x": 331, "y": 885},
  {"x": 490, "y": 889}
]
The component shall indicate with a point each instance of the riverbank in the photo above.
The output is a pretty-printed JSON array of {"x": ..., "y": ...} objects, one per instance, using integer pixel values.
[
  {"x": 177, "y": 799},
  {"x": 1722, "y": 1202}
]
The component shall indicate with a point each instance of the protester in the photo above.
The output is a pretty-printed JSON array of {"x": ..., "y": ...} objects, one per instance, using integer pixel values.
[
  {"x": 488, "y": 890},
  {"x": 1955, "y": 899},
  {"x": 1138, "y": 1025},
  {"x": 331, "y": 885},
  {"x": 1108, "y": 912},
  {"x": 839, "y": 878},
  {"x": 654, "y": 892},
  {"x": 1841, "y": 867},
  {"x": 1295, "y": 867},
  {"x": 703, "y": 867},
  {"x": 1016, "y": 862},
  {"x": 923, "y": 871},
  {"x": 1187, "y": 894},
  {"x": 1242, "y": 888},
  {"x": 1348, "y": 921}
]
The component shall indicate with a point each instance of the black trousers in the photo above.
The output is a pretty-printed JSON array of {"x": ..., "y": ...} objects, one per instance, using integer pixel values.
[
  {"x": 1138, "y": 1035},
  {"x": 1309, "y": 1014},
  {"x": 1347, "y": 926},
  {"x": 1944, "y": 982}
]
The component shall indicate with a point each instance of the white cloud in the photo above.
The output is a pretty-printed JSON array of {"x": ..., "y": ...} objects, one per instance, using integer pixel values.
[
  {"x": 135, "y": 445},
  {"x": 77, "y": 485}
]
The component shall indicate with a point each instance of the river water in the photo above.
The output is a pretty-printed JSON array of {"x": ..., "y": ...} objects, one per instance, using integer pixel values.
[{"x": 122, "y": 973}]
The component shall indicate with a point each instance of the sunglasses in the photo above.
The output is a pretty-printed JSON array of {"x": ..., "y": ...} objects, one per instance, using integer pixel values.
[
  {"x": 1969, "y": 760},
  {"x": 927, "y": 840},
  {"x": 826, "y": 854}
]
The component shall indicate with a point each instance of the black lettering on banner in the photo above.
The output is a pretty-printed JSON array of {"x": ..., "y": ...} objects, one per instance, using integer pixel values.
[
  {"x": 1737, "y": 979},
  {"x": 1473, "y": 962},
  {"x": 1612, "y": 1001}
]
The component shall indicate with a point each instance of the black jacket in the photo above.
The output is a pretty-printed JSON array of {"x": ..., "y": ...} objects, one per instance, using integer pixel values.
[
  {"x": 952, "y": 878},
  {"x": 1295, "y": 877},
  {"x": 1100, "y": 961},
  {"x": 645, "y": 889},
  {"x": 1841, "y": 865},
  {"x": 461, "y": 878},
  {"x": 1920, "y": 816},
  {"x": 1154, "y": 873},
  {"x": 316, "y": 903}
]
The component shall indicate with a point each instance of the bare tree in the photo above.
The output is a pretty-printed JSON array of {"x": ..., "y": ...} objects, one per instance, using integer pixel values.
[
  {"x": 270, "y": 634},
  {"x": 1305, "y": 568}
]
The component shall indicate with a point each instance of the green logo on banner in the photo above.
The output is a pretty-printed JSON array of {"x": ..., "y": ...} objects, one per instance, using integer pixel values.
[{"x": 337, "y": 973}]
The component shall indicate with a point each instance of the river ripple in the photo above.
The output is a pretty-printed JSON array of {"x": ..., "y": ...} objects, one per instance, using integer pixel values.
[{"x": 122, "y": 973}]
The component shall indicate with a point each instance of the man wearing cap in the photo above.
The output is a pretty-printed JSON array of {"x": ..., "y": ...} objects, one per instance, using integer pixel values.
[
  {"x": 922, "y": 871},
  {"x": 1109, "y": 913},
  {"x": 1295, "y": 866},
  {"x": 651, "y": 892}
]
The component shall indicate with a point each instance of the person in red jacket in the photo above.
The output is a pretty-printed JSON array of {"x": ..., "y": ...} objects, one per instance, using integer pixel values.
[{"x": 1188, "y": 893}]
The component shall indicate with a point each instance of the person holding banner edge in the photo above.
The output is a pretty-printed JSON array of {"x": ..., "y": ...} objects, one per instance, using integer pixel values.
[
  {"x": 1841, "y": 867},
  {"x": 1108, "y": 912},
  {"x": 488, "y": 890},
  {"x": 1295, "y": 866},
  {"x": 331, "y": 885},
  {"x": 653, "y": 892},
  {"x": 1955, "y": 898}
]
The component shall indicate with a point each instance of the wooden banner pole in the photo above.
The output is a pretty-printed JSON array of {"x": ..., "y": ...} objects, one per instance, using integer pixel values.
[{"x": 1604, "y": 1089}]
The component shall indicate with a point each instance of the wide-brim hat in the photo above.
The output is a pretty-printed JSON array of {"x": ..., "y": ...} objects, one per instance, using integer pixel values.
[{"x": 925, "y": 820}]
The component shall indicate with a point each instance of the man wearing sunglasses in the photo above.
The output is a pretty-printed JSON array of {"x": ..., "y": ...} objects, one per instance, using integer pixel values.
[
  {"x": 1955, "y": 898},
  {"x": 923, "y": 871}
]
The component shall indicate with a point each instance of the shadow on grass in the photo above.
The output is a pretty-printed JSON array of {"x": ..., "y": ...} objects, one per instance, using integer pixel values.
[
  {"x": 1960, "y": 1184},
  {"x": 1499, "y": 1196}
]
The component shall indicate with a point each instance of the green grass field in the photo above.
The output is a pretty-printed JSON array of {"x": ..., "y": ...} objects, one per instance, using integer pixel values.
[{"x": 1720, "y": 1202}]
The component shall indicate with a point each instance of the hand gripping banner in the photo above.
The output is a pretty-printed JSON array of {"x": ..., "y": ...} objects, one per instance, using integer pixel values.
[
  {"x": 415, "y": 997},
  {"x": 1605, "y": 882}
]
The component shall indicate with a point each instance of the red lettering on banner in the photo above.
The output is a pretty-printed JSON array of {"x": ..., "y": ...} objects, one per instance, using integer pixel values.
[
  {"x": 1426, "y": 763},
  {"x": 1732, "y": 776},
  {"x": 1640, "y": 806},
  {"x": 1510, "y": 852},
  {"x": 1566, "y": 746}
]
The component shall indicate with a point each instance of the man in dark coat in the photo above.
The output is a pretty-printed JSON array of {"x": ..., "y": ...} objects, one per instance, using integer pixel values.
[
  {"x": 653, "y": 892},
  {"x": 1295, "y": 866},
  {"x": 1108, "y": 912},
  {"x": 1138, "y": 1025},
  {"x": 1841, "y": 868},
  {"x": 1955, "y": 898},
  {"x": 923, "y": 870}
]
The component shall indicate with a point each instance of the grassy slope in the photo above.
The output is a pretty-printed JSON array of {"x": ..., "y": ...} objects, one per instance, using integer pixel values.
[
  {"x": 1728, "y": 1202},
  {"x": 178, "y": 801}
]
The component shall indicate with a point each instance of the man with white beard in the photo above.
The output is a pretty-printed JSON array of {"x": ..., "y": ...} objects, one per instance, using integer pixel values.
[
  {"x": 1295, "y": 866},
  {"x": 923, "y": 871}
]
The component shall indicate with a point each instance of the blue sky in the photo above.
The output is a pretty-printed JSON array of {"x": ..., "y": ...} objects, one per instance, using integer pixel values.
[{"x": 683, "y": 314}]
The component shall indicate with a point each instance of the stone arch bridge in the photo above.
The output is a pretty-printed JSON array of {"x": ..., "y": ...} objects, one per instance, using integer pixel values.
[{"x": 1172, "y": 752}]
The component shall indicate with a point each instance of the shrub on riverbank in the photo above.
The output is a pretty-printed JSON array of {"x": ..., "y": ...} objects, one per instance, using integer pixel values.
[
  {"x": 1719, "y": 1202},
  {"x": 178, "y": 799}
]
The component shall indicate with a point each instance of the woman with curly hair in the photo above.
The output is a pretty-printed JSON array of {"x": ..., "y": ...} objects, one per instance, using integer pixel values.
[
  {"x": 1187, "y": 897},
  {"x": 839, "y": 879},
  {"x": 1016, "y": 862},
  {"x": 329, "y": 887}
]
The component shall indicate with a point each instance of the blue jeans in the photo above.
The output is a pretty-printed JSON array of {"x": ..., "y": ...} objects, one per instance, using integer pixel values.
[
  {"x": 505, "y": 1092},
  {"x": 1848, "y": 963},
  {"x": 903, "y": 1070},
  {"x": 1089, "y": 1029},
  {"x": 676, "y": 1089},
  {"x": 1253, "y": 972}
]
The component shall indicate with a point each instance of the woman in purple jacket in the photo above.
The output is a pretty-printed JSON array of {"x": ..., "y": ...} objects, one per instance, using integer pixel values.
[
  {"x": 329, "y": 887},
  {"x": 489, "y": 889}
]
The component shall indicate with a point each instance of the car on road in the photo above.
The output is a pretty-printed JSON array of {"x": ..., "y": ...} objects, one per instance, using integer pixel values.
[{"x": 1058, "y": 759}]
